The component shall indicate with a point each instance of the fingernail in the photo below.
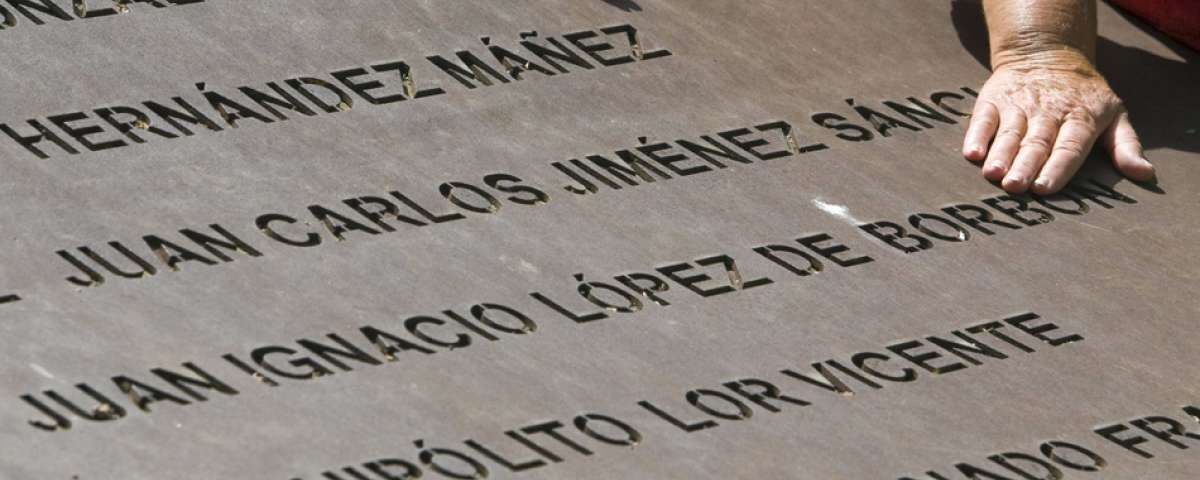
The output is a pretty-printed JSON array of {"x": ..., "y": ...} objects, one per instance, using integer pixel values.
[
  {"x": 1015, "y": 181},
  {"x": 994, "y": 168},
  {"x": 1153, "y": 172},
  {"x": 1043, "y": 183}
]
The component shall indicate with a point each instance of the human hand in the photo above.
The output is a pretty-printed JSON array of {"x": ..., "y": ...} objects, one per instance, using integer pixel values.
[{"x": 1042, "y": 118}]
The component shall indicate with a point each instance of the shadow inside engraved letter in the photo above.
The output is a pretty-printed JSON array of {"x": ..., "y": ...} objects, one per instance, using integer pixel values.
[
  {"x": 626, "y": 5},
  {"x": 1159, "y": 92}
]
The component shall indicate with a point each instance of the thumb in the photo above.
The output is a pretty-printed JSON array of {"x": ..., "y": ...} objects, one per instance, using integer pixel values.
[{"x": 1126, "y": 150}]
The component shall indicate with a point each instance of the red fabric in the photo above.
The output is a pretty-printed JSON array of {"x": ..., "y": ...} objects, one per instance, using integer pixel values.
[{"x": 1178, "y": 18}]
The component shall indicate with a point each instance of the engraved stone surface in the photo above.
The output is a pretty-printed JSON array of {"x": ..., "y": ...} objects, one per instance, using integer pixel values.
[{"x": 587, "y": 239}]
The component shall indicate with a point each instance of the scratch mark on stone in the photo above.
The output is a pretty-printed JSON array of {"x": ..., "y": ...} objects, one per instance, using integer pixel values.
[
  {"x": 840, "y": 211},
  {"x": 41, "y": 371},
  {"x": 1095, "y": 227}
]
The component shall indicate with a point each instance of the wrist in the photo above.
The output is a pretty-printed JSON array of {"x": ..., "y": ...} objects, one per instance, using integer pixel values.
[{"x": 1057, "y": 57}]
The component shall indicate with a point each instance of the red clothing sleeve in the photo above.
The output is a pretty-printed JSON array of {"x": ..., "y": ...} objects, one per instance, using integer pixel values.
[{"x": 1177, "y": 18}]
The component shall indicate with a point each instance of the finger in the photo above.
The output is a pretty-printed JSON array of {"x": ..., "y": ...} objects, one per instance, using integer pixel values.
[
  {"x": 1126, "y": 150},
  {"x": 1035, "y": 149},
  {"x": 1005, "y": 144},
  {"x": 1075, "y": 140},
  {"x": 984, "y": 122}
]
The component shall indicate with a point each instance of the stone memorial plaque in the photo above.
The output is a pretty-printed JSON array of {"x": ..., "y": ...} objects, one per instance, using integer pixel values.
[{"x": 588, "y": 239}]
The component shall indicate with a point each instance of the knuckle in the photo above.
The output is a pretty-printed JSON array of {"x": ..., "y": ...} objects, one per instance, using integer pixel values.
[
  {"x": 986, "y": 104},
  {"x": 1070, "y": 146},
  {"x": 1036, "y": 142},
  {"x": 1125, "y": 135},
  {"x": 1129, "y": 138},
  {"x": 1009, "y": 133},
  {"x": 1079, "y": 116},
  {"x": 1046, "y": 125},
  {"x": 984, "y": 122}
]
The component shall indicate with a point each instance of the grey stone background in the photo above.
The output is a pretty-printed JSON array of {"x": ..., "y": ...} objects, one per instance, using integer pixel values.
[{"x": 1124, "y": 278}]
